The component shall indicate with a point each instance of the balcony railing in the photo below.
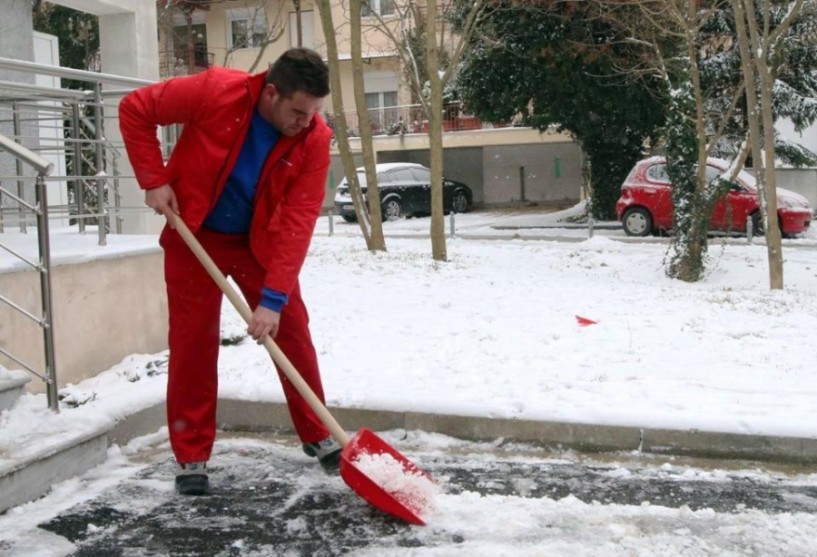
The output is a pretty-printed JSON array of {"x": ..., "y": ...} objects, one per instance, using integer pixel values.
[
  {"x": 394, "y": 120},
  {"x": 172, "y": 65}
]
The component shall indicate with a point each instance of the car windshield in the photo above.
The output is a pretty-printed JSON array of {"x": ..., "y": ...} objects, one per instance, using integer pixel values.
[{"x": 361, "y": 178}]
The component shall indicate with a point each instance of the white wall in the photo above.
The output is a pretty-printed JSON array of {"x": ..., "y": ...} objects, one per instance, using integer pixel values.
[{"x": 46, "y": 51}]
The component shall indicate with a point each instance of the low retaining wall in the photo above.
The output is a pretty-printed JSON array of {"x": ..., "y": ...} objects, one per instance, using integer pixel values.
[{"x": 104, "y": 310}]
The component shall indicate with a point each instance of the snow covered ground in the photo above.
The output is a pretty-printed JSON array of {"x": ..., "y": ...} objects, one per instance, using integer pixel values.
[{"x": 494, "y": 332}]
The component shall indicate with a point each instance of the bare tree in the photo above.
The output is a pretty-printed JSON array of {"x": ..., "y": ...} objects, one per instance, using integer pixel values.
[
  {"x": 437, "y": 40},
  {"x": 274, "y": 26},
  {"x": 758, "y": 45},
  {"x": 167, "y": 15},
  {"x": 341, "y": 127},
  {"x": 378, "y": 242}
]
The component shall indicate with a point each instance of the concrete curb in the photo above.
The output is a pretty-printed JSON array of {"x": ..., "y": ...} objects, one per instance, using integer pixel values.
[
  {"x": 260, "y": 416},
  {"x": 33, "y": 478}
]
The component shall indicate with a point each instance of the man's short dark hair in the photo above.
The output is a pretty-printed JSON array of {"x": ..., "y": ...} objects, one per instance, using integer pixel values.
[{"x": 300, "y": 69}]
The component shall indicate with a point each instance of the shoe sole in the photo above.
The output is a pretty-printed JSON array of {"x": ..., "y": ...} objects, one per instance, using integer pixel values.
[{"x": 329, "y": 462}]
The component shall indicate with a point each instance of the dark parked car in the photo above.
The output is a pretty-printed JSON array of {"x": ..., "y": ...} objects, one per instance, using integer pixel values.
[
  {"x": 405, "y": 190},
  {"x": 645, "y": 205}
]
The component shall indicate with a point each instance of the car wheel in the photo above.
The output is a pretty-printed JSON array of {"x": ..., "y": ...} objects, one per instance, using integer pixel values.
[
  {"x": 637, "y": 222},
  {"x": 391, "y": 209},
  {"x": 459, "y": 204},
  {"x": 349, "y": 218}
]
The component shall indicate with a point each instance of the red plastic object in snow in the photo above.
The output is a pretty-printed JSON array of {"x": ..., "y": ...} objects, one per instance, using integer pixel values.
[{"x": 584, "y": 321}]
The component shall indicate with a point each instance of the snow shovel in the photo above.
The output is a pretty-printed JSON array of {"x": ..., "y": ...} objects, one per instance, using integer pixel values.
[{"x": 368, "y": 465}]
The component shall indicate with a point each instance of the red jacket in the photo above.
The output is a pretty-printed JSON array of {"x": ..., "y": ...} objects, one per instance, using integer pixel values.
[{"x": 215, "y": 107}]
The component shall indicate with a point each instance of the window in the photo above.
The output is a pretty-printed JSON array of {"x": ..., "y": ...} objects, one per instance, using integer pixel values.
[
  {"x": 712, "y": 173},
  {"x": 246, "y": 28},
  {"x": 382, "y": 110},
  {"x": 307, "y": 29},
  {"x": 197, "y": 39},
  {"x": 403, "y": 175},
  {"x": 381, "y": 99},
  {"x": 422, "y": 175},
  {"x": 381, "y": 7},
  {"x": 386, "y": 178},
  {"x": 658, "y": 173}
]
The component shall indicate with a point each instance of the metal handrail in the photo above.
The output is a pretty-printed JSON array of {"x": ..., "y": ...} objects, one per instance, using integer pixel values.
[
  {"x": 43, "y": 168},
  {"x": 79, "y": 75},
  {"x": 85, "y": 133}
]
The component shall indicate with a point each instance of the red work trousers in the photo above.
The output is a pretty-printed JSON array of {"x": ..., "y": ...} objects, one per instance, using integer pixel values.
[{"x": 194, "y": 306}]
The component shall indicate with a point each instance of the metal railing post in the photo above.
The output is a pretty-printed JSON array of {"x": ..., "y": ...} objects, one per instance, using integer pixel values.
[
  {"x": 79, "y": 183},
  {"x": 45, "y": 293},
  {"x": 101, "y": 182},
  {"x": 21, "y": 193},
  {"x": 117, "y": 198}
]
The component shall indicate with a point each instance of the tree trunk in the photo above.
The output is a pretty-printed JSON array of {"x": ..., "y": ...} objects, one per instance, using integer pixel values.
[
  {"x": 340, "y": 126},
  {"x": 378, "y": 242},
  {"x": 435, "y": 136},
  {"x": 755, "y": 70},
  {"x": 774, "y": 245},
  {"x": 687, "y": 149}
]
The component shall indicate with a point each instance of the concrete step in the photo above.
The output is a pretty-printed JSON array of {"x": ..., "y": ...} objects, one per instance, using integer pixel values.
[{"x": 12, "y": 386}]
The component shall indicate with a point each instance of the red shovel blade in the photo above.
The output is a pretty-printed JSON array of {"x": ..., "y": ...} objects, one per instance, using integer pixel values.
[{"x": 385, "y": 478}]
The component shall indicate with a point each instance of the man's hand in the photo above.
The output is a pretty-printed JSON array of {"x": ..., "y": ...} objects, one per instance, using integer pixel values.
[
  {"x": 162, "y": 200},
  {"x": 263, "y": 322}
]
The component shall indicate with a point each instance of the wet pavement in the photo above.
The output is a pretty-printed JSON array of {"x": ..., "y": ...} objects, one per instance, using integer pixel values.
[{"x": 270, "y": 499}]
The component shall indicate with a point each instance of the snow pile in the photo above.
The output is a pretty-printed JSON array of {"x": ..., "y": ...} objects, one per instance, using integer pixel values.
[{"x": 413, "y": 488}]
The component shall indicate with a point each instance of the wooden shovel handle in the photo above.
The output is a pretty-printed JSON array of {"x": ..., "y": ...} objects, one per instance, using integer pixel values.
[{"x": 274, "y": 351}]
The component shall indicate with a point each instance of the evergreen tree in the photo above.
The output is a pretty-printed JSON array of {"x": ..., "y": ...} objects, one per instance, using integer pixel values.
[
  {"x": 795, "y": 90},
  {"x": 554, "y": 64}
]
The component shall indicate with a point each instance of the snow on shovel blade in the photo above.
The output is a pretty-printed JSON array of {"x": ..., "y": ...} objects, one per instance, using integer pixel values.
[{"x": 385, "y": 478}]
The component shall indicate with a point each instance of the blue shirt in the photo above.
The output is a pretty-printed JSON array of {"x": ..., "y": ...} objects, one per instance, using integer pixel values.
[{"x": 233, "y": 211}]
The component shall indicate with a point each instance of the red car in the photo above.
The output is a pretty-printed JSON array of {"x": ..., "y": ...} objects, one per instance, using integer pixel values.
[{"x": 645, "y": 205}]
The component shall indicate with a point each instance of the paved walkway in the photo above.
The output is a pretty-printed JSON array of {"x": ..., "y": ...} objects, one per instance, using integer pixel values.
[{"x": 269, "y": 499}]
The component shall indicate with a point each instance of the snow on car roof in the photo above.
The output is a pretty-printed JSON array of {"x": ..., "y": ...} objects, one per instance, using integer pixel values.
[{"x": 383, "y": 166}]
